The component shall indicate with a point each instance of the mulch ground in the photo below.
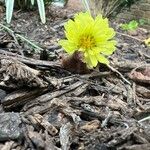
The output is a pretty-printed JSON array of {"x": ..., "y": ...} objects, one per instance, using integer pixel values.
[{"x": 45, "y": 107}]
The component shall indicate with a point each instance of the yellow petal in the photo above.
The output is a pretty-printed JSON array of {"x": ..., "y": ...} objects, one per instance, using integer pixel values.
[
  {"x": 107, "y": 48},
  {"x": 102, "y": 59},
  {"x": 68, "y": 46},
  {"x": 88, "y": 62}
]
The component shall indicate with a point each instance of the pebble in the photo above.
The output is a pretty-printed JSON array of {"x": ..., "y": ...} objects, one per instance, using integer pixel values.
[{"x": 10, "y": 126}]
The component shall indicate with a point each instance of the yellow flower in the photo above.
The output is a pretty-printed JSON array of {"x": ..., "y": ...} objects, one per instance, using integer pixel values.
[
  {"x": 91, "y": 36},
  {"x": 147, "y": 42}
]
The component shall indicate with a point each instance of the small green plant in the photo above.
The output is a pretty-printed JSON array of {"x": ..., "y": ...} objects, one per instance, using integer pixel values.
[{"x": 132, "y": 25}]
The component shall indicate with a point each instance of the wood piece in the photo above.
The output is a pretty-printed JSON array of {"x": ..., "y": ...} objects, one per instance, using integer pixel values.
[
  {"x": 29, "y": 61},
  {"x": 48, "y": 97},
  {"x": 66, "y": 136},
  {"x": 27, "y": 140},
  {"x": 136, "y": 147},
  {"x": 37, "y": 139},
  {"x": 8, "y": 145},
  {"x": 91, "y": 126},
  {"x": 96, "y": 100},
  {"x": 20, "y": 97},
  {"x": 122, "y": 136},
  {"x": 143, "y": 92},
  {"x": 38, "y": 119},
  {"x": 78, "y": 91},
  {"x": 49, "y": 143},
  {"x": 127, "y": 65},
  {"x": 140, "y": 139},
  {"x": 16, "y": 74}
]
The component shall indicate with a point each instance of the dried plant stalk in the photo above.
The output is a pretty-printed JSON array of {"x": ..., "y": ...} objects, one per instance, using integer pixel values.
[{"x": 107, "y": 7}]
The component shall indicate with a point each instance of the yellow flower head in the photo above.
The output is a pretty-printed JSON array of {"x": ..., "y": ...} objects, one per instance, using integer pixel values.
[{"x": 91, "y": 36}]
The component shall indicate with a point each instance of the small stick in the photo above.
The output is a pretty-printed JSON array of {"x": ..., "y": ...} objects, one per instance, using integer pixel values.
[
  {"x": 104, "y": 123},
  {"x": 144, "y": 119},
  {"x": 139, "y": 40},
  {"x": 116, "y": 71}
]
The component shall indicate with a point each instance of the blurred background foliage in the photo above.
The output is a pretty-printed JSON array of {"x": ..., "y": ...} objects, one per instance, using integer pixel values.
[
  {"x": 29, "y": 4},
  {"x": 26, "y": 4},
  {"x": 109, "y": 8}
]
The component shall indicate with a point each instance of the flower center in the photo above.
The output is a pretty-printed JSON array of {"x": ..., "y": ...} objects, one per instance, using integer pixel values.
[{"x": 86, "y": 42}]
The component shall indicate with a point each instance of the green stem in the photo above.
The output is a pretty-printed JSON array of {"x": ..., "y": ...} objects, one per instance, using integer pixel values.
[{"x": 21, "y": 37}]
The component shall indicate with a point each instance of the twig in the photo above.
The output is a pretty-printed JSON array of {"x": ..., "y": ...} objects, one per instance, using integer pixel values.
[
  {"x": 29, "y": 61},
  {"x": 21, "y": 37},
  {"x": 144, "y": 119},
  {"x": 116, "y": 71},
  {"x": 129, "y": 36},
  {"x": 104, "y": 123}
]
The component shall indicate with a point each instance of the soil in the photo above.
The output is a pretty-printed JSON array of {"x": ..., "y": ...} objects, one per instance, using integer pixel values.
[{"x": 46, "y": 107}]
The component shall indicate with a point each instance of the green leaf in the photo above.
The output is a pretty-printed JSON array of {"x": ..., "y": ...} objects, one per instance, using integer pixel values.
[
  {"x": 132, "y": 25},
  {"x": 9, "y": 10},
  {"x": 124, "y": 26},
  {"x": 41, "y": 10},
  {"x": 142, "y": 22}
]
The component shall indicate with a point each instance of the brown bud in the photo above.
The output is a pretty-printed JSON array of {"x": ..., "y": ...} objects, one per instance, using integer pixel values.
[{"x": 75, "y": 64}]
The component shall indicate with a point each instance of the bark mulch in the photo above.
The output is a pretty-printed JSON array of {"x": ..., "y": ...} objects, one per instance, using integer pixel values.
[{"x": 45, "y": 107}]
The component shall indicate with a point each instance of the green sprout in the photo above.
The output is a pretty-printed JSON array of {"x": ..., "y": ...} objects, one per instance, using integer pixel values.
[{"x": 132, "y": 25}]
